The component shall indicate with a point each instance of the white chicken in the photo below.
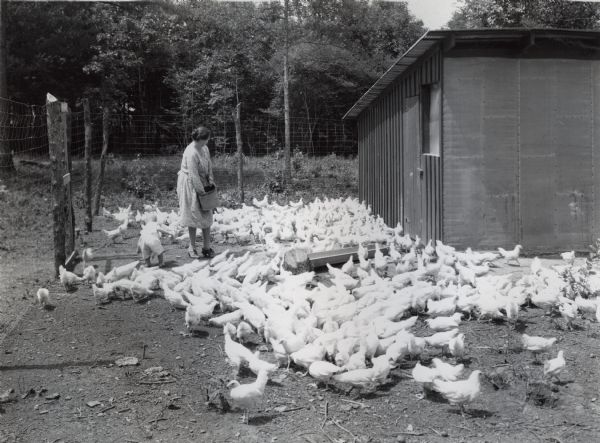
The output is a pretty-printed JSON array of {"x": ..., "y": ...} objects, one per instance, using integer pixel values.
[
  {"x": 537, "y": 344},
  {"x": 174, "y": 298},
  {"x": 589, "y": 305},
  {"x": 230, "y": 317},
  {"x": 459, "y": 392},
  {"x": 456, "y": 346},
  {"x": 536, "y": 266},
  {"x": 444, "y": 323},
  {"x": 466, "y": 274},
  {"x": 446, "y": 370},
  {"x": 356, "y": 360},
  {"x": 363, "y": 255},
  {"x": 248, "y": 396},
  {"x": 441, "y": 339},
  {"x": 112, "y": 235},
  {"x": 68, "y": 279},
  {"x": 102, "y": 294},
  {"x": 261, "y": 203},
  {"x": 568, "y": 257},
  {"x": 89, "y": 274},
  {"x": 568, "y": 311},
  {"x": 554, "y": 366},
  {"x": 236, "y": 353},
  {"x": 358, "y": 378},
  {"x": 379, "y": 261},
  {"x": 43, "y": 297},
  {"x": 197, "y": 314},
  {"x": 323, "y": 371},
  {"x": 123, "y": 271},
  {"x": 244, "y": 332},
  {"x": 424, "y": 375},
  {"x": 512, "y": 255},
  {"x": 348, "y": 267},
  {"x": 253, "y": 315},
  {"x": 257, "y": 365},
  {"x": 386, "y": 328},
  {"x": 100, "y": 279},
  {"x": 443, "y": 307},
  {"x": 308, "y": 354}
]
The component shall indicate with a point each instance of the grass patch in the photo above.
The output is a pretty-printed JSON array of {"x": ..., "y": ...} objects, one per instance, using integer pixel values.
[{"x": 140, "y": 179}]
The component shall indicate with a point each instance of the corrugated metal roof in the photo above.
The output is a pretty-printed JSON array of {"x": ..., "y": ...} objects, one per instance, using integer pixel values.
[{"x": 430, "y": 38}]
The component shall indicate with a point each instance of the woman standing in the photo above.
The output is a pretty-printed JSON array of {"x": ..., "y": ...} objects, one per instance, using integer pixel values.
[{"x": 196, "y": 178}]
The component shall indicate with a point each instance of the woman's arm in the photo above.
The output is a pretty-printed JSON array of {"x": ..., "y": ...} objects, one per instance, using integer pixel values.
[
  {"x": 194, "y": 165},
  {"x": 211, "y": 179}
]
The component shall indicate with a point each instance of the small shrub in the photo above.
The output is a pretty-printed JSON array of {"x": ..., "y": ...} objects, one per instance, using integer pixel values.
[
  {"x": 137, "y": 179},
  {"x": 594, "y": 257},
  {"x": 577, "y": 282},
  {"x": 297, "y": 159},
  {"x": 317, "y": 170}
]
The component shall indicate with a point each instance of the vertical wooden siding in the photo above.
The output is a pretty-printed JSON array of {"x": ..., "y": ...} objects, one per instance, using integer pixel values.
[
  {"x": 411, "y": 154},
  {"x": 462, "y": 110},
  {"x": 519, "y": 152},
  {"x": 557, "y": 153},
  {"x": 432, "y": 195},
  {"x": 385, "y": 138}
]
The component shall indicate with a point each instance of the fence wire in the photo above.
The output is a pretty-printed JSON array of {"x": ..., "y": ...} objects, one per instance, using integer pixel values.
[
  {"x": 162, "y": 138},
  {"x": 23, "y": 129}
]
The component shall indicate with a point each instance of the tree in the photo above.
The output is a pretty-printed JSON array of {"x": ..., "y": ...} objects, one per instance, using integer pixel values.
[
  {"x": 566, "y": 14},
  {"x": 49, "y": 43},
  {"x": 231, "y": 59},
  {"x": 187, "y": 57},
  {"x": 339, "y": 48},
  {"x": 6, "y": 160}
]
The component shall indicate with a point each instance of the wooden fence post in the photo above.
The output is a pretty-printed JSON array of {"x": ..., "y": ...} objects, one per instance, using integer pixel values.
[
  {"x": 56, "y": 143},
  {"x": 87, "y": 120},
  {"x": 240, "y": 153},
  {"x": 65, "y": 115},
  {"x": 105, "y": 135}
]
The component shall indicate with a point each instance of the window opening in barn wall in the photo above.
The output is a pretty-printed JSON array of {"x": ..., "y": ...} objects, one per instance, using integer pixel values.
[{"x": 431, "y": 101}]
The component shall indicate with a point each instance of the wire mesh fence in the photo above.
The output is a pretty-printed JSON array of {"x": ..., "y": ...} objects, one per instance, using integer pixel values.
[
  {"x": 23, "y": 128},
  {"x": 141, "y": 140}
]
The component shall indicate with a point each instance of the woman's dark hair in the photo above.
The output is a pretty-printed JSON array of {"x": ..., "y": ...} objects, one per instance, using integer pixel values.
[{"x": 200, "y": 133}]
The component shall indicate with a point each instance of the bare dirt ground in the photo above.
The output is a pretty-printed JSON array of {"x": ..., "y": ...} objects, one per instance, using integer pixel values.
[{"x": 68, "y": 388}]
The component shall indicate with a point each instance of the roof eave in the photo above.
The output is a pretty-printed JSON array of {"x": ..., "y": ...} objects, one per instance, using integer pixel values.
[{"x": 407, "y": 59}]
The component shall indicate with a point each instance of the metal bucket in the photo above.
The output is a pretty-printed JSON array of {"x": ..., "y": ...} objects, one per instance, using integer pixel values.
[{"x": 209, "y": 201}]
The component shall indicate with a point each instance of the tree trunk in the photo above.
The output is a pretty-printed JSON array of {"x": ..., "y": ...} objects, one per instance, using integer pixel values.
[
  {"x": 6, "y": 160},
  {"x": 105, "y": 135},
  {"x": 240, "y": 153},
  {"x": 287, "y": 172},
  {"x": 87, "y": 119},
  {"x": 311, "y": 126}
]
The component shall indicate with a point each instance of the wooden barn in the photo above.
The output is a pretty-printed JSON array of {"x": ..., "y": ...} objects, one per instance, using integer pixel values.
[{"x": 487, "y": 138}]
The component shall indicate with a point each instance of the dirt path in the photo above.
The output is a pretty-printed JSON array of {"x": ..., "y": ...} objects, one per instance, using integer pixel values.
[
  {"x": 68, "y": 388},
  {"x": 61, "y": 364}
]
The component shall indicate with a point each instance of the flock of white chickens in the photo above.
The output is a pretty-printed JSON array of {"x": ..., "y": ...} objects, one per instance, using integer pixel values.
[{"x": 353, "y": 326}]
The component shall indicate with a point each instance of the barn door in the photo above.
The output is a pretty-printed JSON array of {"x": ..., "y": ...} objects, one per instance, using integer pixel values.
[
  {"x": 411, "y": 145},
  {"x": 431, "y": 171}
]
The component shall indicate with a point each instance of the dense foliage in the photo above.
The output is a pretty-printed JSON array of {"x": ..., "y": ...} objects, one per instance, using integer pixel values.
[
  {"x": 564, "y": 14},
  {"x": 201, "y": 56}
]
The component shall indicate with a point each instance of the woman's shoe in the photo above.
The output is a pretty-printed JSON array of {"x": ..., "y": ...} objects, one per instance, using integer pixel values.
[
  {"x": 208, "y": 253},
  {"x": 193, "y": 253}
]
